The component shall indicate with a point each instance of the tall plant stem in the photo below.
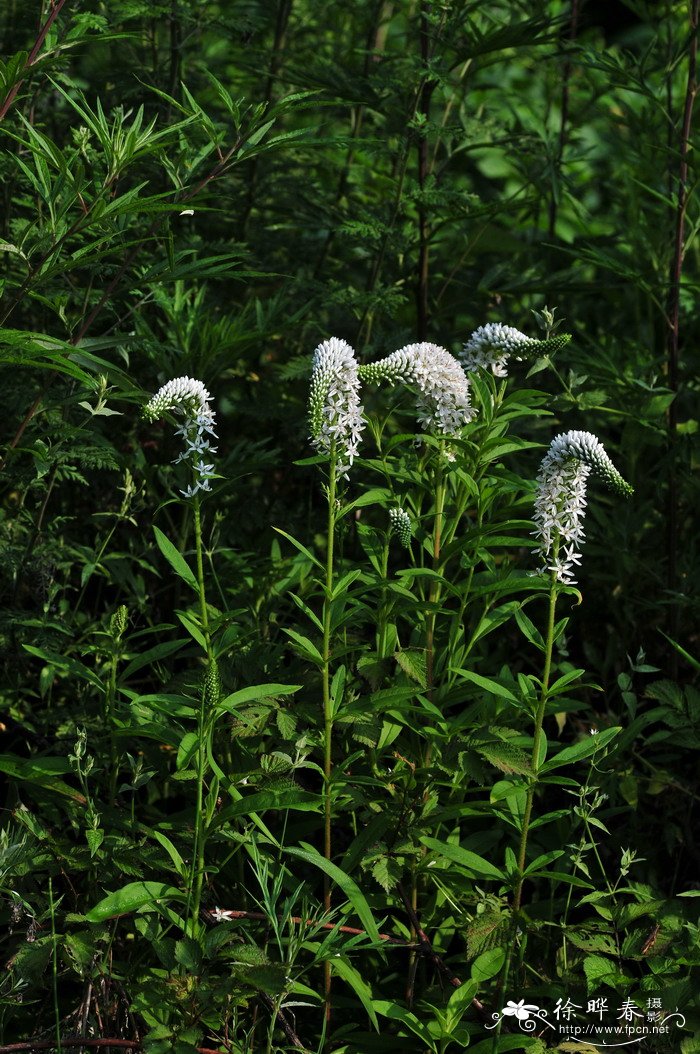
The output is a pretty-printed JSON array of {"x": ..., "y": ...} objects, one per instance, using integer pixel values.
[
  {"x": 54, "y": 968},
  {"x": 328, "y": 708},
  {"x": 200, "y": 576},
  {"x": 284, "y": 10},
  {"x": 427, "y": 88},
  {"x": 564, "y": 119},
  {"x": 33, "y": 55},
  {"x": 433, "y": 600},
  {"x": 537, "y": 738},
  {"x": 194, "y": 893},
  {"x": 434, "y": 591},
  {"x": 673, "y": 313}
]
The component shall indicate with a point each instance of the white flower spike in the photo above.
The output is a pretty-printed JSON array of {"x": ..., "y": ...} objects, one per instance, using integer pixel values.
[
  {"x": 560, "y": 500},
  {"x": 335, "y": 411},
  {"x": 189, "y": 397},
  {"x": 490, "y": 347},
  {"x": 444, "y": 404}
]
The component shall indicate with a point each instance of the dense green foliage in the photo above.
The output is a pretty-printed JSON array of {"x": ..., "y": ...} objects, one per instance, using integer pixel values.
[{"x": 271, "y": 703}]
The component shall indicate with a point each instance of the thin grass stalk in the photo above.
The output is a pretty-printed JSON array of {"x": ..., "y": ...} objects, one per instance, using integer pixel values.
[
  {"x": 673, "y": 317},
  {"x": 427, "y": 88},
  {"x": 563, "y": 124},
  {"x": 284, "y": 10},
  {"x": 54, "y": 969}
]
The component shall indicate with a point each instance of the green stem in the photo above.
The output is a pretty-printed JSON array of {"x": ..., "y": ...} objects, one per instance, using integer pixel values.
[
  {"x": 54, "y": 968},
  {"x": 200, "y": 576},
  {"x": 110, "y": 707},
  {"x": 328, "y": 706},
  {"x": 196, "y": 879},
  {"x": 537, "y": 738},
  {"x": 434, "y": 595},
  {"x": 381, "y": 636}
]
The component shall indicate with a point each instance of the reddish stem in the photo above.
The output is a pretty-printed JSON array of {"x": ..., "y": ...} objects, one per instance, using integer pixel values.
[{"x": 10, "y": 97}]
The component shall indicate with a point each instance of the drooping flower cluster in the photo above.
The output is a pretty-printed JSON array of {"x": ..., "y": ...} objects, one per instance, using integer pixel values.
[
  {"x": 490, "y": 347},
  {"x": 561, "y": 498},
  {"x": 400, "y": 525},
  {"x": 189, "y": 397},
  {"x": 444, "y": 404},
  {"x": 335, "y": 411}
]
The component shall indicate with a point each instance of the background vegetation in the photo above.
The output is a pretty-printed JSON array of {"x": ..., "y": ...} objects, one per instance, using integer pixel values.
[{"x": 210, "y": 189}]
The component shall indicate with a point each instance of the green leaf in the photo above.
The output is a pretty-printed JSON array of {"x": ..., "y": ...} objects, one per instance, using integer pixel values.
[
  {"x": 583, "y": 749},
  {"x": 464, "y": 857},
  {"x": 413, "y": 663},
  {"x": 348, "y": 885},
  {"x": 284, "y": 798},
  {"x": 305, "y": 647},
  {"x": 488, "y": 964},
  {"x": 505, "y": 757},
  {"x": 42, "y": 772},
  {"x": 130, "y": 898},
  {"x": 359, "y": 986},
  {"x": 489, "y": 685},
  {"x": 175, "y": 559},
  {"x": 302, "y": 548},
  {"x": 397, "y": 1013},
  {"x": 254, "y": 692}
]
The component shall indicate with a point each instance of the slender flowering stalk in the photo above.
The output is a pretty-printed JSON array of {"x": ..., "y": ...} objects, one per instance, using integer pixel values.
[
  {"x": 560, "y": 501},
  {"x": 335, "y": 411},
  {"x": 189, "y": 398},
  {"x": 444, "y": 400},
  {"x": 490, "y": 347}
]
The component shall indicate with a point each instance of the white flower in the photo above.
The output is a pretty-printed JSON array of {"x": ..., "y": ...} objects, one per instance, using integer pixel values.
[
  {"x": 189, "y": 397},
  {"x": 560, "y": 500},
  {"x": 490, "y": 347},
  {"x": 335, "y": 412},
  {"x": 444, "y": 404}
]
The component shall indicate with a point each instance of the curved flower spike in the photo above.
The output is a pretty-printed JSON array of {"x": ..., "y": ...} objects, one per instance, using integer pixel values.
[
  {"x": 335, "y": 412},
  {"x": 560, "y": 500},
  {"x": 490, "y": 347},
  {"x": 189, "y": 397},
  {"x": 444, "y": 404}
]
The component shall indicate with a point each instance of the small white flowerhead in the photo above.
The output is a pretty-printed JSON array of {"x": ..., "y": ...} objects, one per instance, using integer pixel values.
[
  {"x": 444, "y": 403},
  {"x": 188, "y": 398},
  {"x": 183, "y": 394},
  {"x": 335, "y": 412},
  {"x": 560, "y": 500},
  {"x": 490, "y": 347},
  {"x": 400, "y": 525}
]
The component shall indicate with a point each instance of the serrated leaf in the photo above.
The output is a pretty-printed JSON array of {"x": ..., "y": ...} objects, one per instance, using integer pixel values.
[
  {"x": 505, "y": 757},
  {"x": 286, "y": 724},
  {"x": 387, "y": 872},
  {"x": 413, "y": 664}
]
